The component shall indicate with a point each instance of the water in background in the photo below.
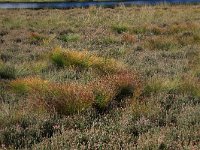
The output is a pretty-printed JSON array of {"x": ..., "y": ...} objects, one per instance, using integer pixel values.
[{"x": 57, "y": 5}]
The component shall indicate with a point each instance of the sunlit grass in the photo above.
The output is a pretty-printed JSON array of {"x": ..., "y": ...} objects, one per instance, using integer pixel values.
[
  {"x": 84, "y": 59},
  {"x": 125, "y": 78}
]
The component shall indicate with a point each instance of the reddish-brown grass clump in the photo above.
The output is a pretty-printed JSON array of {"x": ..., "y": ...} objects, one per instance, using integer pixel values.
[
  {"x": 115, "y": 88},
  {"x": 61, "y": 98},
  {"x": 72, "y": 97}
]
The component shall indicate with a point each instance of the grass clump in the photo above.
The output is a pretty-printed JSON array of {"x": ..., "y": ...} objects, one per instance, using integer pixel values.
[
  {"x": 70, "y": 58},
  {"x": 179, "y": 86},
  {"x": 83, "y": 59},
  {"x": 125, "y": 84},
  {"x": 190, "y": 87},
  {"x": 70, "y": 37},
  {"x": 30, "y": 84},
  {"x": 158, "y": 43},
  {"x": 120, "y": 28},
  {"x": 37, "y": 38},
  {"x": 63, "y": 99},
  {"x": 158, "y": 85},
  {"x": 7, "y": 71},
  {"x": 115, "y": 88},
  {"x": 71, "y": 97}
]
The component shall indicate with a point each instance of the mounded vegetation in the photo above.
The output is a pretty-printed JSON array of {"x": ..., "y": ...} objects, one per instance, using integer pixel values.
[{"x": 100, "y": 78}]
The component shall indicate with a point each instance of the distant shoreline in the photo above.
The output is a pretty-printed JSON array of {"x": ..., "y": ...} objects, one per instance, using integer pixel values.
[{"x": 67, "y": 5}]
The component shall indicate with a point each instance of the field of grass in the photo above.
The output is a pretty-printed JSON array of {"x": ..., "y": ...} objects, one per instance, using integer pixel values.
[{"x": 96, "y": 78}]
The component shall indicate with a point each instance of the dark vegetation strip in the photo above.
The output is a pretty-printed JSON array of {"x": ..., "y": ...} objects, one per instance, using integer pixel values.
[{"x": 61, "y": 5}]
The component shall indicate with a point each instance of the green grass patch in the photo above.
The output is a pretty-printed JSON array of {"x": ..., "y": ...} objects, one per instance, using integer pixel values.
[
  {"x": 7, "y": 71},
  {"x": 120, "y": 28},
  {"x": 70, "y": 37},
  {"x": 83, "y": 59}
]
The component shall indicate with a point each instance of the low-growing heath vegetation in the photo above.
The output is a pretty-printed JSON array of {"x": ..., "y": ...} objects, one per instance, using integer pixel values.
[{"x": 100, "y": 78}]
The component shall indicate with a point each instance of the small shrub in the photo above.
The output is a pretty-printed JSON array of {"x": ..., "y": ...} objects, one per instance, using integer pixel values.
[
  {"x": 19, "y": 138},
  {"x": 189, "y": 116},
  {"x": 103, "y": 94},
  {"x": 126, "y": 84},
  {"x": 28, "y": 131},
  {"x": 7, "y": 72}
]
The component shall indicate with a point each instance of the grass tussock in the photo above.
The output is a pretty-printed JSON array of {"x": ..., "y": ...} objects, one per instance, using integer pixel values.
[
  {"x": 7, "y": 71},
  {"x": 160, "y": 43},
  {"x": 69, "y": 37},
  {"x": 184, "y": 86},
  {"x": 36, "y": 38},
  {"x": 83, "y": 59},
  {"x": 71, "y": 98},
  {"x": 63, "y": 99},
  {"x": 120, "y": 28},
  {"x": 115, "y": 87}
]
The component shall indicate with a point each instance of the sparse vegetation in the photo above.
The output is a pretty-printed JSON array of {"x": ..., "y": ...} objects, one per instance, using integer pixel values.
[{"x": 100, "y": 78}]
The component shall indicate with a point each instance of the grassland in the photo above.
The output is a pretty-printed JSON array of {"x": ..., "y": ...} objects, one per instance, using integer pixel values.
[{"x": 122, "y": 78}]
